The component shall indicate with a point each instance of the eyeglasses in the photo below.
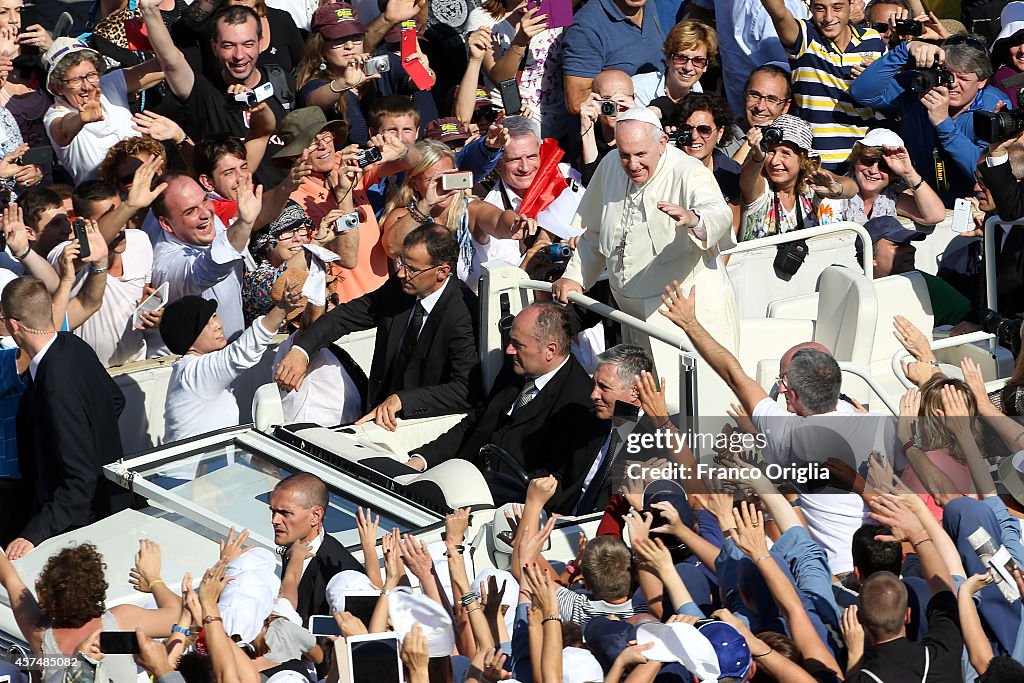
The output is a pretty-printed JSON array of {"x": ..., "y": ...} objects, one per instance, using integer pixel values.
[
  {"x": 703, "y": 130},
  {"x": 325, "y": 137},
  {"x": 92, "y": 78},
  {"x": 754, "y": 96},
  {"x": 340, "y": 42},
  {"x": 782, "y": 383},
  {"x": 679, "y": 59},
  {"x": 409, "y": 270},
  {"x": 297, "y": 232},
  {"x": 966, "y": 40},
  {"x": 880, "y": 26}
]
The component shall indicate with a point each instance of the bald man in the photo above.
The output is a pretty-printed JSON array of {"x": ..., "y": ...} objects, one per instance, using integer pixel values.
[
  {"x": 597, "y": 130},
  {"x": 652, "y": 215}
]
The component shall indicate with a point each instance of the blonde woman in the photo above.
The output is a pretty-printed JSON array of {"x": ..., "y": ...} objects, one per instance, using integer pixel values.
[
  {"x": 689, "y": 47},
  {"x": 484, "y": 231}
]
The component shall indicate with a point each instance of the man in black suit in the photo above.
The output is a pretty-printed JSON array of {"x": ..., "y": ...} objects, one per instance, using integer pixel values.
[
  {"x": 425, "y": 361},
  {"x": 66, "y": 424},
  {"x": 539, "y": 411},
  {"x": 297, "y": 507}
]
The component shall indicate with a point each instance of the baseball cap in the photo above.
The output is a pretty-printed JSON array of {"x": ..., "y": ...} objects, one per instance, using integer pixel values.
[
  {"x": 64, "y": 47},
  {"x": 406, "y": 609},
  {"x": 337, "y": 20},
  {"x": 882, "y": 137},
  {"x": 889, "y": 227},
  {"x": 730, "y": 645},
  {"x": 184, "y": 321},
  {"x": 446, "y": 130}
]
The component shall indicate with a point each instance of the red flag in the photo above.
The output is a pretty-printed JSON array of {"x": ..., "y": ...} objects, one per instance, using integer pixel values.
[{"x": 547, "y": 184}]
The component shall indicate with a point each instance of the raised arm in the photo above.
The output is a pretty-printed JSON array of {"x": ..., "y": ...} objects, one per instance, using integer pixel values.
[
  {"x": 682, "y": 311},
  {"x": 751, "y": 181},
  {"x": 887, "y": 509},
  {"x": 785, "y": 23},
  {"x": 16, "y": 233},
  {"x": 30, "y": 618},
  {"x": 395, "y": 12},
  {"x": 478, "y": 43},
  {"x": 979, "y": 649},
  {"x": 179, "y": 75}
]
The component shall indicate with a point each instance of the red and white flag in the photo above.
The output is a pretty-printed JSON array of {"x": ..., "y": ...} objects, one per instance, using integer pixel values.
[{"x": 553, "y": 198}]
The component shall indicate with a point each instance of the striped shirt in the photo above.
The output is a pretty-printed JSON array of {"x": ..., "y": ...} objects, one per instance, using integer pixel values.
[
  {"x": 821, "y": 84},
  {"x": 580, "y": 608}
]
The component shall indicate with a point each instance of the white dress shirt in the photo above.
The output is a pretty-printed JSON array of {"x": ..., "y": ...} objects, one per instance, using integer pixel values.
[{"x": 33, "y": 365}]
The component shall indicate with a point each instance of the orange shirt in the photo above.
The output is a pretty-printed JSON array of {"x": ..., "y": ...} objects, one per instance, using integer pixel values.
[{"x": 371, "y": 270}]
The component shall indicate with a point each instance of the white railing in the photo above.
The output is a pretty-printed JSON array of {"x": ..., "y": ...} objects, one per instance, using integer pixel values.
[
  {"x": 817, "y": 231},
  {"x": 947, "y": 343}
]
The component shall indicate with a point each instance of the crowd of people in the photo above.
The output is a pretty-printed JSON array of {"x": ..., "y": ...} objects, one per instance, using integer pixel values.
[{"x": 192, "y": 179}]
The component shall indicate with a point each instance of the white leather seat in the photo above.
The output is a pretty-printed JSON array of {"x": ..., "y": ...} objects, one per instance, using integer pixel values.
[{"x": 266, "y": 407}]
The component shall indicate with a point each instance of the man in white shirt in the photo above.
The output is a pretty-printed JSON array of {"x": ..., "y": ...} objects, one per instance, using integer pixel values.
[
  {"x": 816, "y": 427},
  {"x": 196, "y": 254}
]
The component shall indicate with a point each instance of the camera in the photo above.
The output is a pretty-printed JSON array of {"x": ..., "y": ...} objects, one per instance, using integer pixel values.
[
  {"x": 788, "y": 259},
  {"x": 558, "y": 252},
  {"x": 608, "y": 108},
  {"x": 350, "y": 221},
  {"x": 992, "y": 126},
  {"x": 251, "y": 98},
  {"x": 931, "y": 77},
  {"x": 368, "y": 156},
  {"x": 1006, "y": 330},
  {"x": 683, "y": 137},
  {"x": 770, "y": 135},
  {"x": 376, "y": 65},
  {"x": 908, "y": 27}
]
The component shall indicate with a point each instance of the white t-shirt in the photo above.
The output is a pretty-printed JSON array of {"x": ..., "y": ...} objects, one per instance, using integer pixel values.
[
  {"x": 86, "y": 150},
  {"x": 650, "y": 85},
  {"x": 832, "y": 517},
  {"x": 109, "y": 331},
  {"x": 327, "y": 397}
]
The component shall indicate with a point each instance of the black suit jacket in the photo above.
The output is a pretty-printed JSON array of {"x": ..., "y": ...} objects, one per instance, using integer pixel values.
[
  {"x": 1006, "y": 190},
  {"x": 330, "y": 559},
  {"x": 67, "y": 431},
  {"x": 555, "y": 433},
  {"x": 443, "y": 372}
]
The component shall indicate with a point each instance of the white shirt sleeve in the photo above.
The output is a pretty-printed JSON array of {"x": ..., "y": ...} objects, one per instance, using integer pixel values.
[
  {"x": 212, "y": 373},
  {"x": 992, "y": 160}
]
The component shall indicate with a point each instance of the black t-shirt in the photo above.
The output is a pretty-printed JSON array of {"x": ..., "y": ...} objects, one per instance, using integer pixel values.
[
  {"x": 211, "y": 111},
  {"x": 727, "y": 173}
]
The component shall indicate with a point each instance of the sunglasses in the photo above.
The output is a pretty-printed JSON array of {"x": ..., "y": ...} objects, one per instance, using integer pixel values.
[
  {"x": 868, "y": 162},
  {"x": 679, "y": 59},
  {"x": 966, "y": 40},
  {"x": 703, "y": 130}
]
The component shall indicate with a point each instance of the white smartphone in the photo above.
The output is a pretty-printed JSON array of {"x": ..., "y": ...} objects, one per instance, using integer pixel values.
[
  {"x": 962, "y": 221},
  {"x": 457, "y": 180},
  {"x": 322, "y": 625},
  {"x": 153, "y": 302},
  {"x": 258, "y": 94}
]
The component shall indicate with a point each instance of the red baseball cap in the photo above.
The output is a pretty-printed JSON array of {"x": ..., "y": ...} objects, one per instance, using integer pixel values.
[{"x": 337, "y": 20}]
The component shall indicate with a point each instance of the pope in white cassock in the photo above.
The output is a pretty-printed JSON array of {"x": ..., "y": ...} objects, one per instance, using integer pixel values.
[{"x": 651, "y": 215}]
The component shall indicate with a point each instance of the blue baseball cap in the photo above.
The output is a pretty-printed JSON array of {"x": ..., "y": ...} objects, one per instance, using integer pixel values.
[{"x": 731, "y": 647}]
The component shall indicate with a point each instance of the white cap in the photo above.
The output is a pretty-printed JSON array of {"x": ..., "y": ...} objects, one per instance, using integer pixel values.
[
  {"x": 343, "y": 582},
  {"x": 1012, "y": 20},
  {"x": 283, "y": 608},
  {"x": 683, "y": 643},
  {"x": 882, "y": 137},
  {"x": 406, "y": 609},
  {"x": 580, "y": 666},
  {"x": 61, "y": 48},
  {"x": 640, "y": 114}
]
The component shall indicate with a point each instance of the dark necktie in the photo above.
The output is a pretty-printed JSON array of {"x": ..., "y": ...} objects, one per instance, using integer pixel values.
[
  {"x": 589, "y": 499},
  {"x": 412, "y": 333},
  {"x": 528, "y": 393}
]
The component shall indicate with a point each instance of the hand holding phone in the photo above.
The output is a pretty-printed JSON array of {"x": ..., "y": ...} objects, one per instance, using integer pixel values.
[
  {"x": 962, "y": 217},
  {"x": 78, "y": 229},
  {"x": 119, "y": 643}
]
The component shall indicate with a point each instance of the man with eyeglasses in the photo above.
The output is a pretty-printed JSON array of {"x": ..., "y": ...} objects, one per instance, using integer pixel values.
[
  {"x": 210, "y": 105},
  {"x": 766, "y": 96},
  {"x": 425, "y": 360},
  {"x": 823, "y": 51},
  {"x": 943, "y": 147},
  {"x": 91, "y": 111}
]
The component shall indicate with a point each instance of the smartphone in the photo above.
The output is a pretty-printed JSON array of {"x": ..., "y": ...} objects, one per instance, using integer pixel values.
[
  {"x": 253, "y": 97},
  {"x": 37, "y": 156},
  {"x": 371, "y": 657},
  {"x": 153, "y": 302},
  {"x": 119, "y": 643},
  {"x": 78, "y": 229},
  {"x": 321, "y": 625},
  {"x": 510, "y": 99},
  {"x": 627, "y": 410},
  {"x": 457, "y": 180},
  {"x": 961, "y": 221},
  {"x": 559, "y": 12}
]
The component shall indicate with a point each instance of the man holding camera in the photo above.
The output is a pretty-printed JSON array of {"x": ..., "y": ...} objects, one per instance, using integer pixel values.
[
  {"x": 213, "y": 107},
  {"x": 652, "y": 215},
  {"x": 936, "y": 101}
]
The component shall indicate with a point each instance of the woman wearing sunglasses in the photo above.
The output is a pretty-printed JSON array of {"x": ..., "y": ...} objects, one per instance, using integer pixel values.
[
  {"x": 689, "y": 48},
  {"x": 885, "y": 183},
  {"x": 709, "y": 123},
  {"x": 1008, "y": 51}
]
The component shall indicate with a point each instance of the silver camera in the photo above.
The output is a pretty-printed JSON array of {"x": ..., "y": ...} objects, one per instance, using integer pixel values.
[{"x": 376, "y": 65}]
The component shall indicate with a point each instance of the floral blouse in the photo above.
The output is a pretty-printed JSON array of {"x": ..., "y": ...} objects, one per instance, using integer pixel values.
[{"x": 256, "y": 286}]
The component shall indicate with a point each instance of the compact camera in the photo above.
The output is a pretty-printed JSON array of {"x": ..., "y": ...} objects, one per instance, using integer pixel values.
[
  {"x": 608, "y": 108},
  {"x": 558, "y": 252},
  {"x": 258, "y": 94},
  {"x": 376, "y": 65},
  {"x": 370, "y": 155},
  {"x": 770, "y": 135}
]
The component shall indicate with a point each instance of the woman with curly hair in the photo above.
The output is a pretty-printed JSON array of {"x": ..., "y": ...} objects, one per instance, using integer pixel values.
[
  {"x": 71, "y": 612},
  {"x": 774, "y": 181},
  {"x": 709, "y": 122}
]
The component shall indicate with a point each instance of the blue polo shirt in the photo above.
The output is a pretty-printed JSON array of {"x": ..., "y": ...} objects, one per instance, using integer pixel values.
[{"x": 602, "y": 37}]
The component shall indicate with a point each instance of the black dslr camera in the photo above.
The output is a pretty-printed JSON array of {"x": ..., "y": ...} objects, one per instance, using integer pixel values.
[
  {"x": 908, "y": 27},
  {"x": 770, "y": 135},
  {"x": 1006, "y": 330},
  {"x": 930, "y": 77},
  {"x": 993, "y": 126}
]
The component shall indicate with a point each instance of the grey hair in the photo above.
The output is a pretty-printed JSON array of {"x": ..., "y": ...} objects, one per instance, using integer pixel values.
[
  {"x": 520, "y": 126},
  {"x": 69, "y": 62},
  {"x": 629, "y": 360},
  {"x": 966, "y": 58},
  {"x": 816, "y": 377},
  {"x": 552, "y": 325}
]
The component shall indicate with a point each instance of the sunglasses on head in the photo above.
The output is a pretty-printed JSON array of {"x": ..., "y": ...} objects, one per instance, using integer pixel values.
[{"x": 970, "y": 41}]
